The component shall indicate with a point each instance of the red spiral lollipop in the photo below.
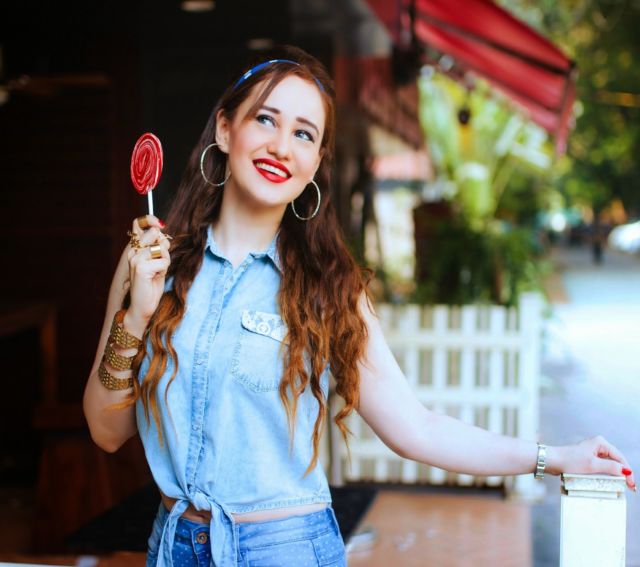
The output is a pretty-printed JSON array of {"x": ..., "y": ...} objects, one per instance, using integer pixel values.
[{"x": 146, "y": 163}]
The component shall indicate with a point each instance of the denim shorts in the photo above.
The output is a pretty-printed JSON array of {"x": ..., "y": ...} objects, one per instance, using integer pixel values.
[{"x": 308, "y": 540}]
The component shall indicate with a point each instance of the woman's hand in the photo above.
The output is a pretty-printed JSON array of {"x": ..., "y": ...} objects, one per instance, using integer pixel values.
[
  {"x": 591, "y": 456},
  {"x": 146, "y": 274}
]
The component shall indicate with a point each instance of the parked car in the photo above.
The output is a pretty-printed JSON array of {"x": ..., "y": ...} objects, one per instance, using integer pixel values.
[{"x": 626, "y": 238}]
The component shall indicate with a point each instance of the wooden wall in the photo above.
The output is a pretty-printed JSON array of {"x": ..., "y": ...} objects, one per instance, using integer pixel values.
[{"x": 66, "y": 135}]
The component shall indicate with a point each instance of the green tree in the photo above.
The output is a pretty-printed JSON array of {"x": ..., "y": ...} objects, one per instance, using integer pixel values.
[{"x": 601, "y": 35}]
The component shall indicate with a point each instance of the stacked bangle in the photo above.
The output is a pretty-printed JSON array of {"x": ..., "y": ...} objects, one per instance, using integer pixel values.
[
  {"x": 110, "y": 382},
  {"x": 117, "y": 361},
  {"x": 120, "y": 338}
]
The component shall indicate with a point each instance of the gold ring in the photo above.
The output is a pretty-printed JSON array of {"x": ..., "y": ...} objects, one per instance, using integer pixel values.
[
  {"x": 155, "y": 251},
  {"x": 143, "y": 222},
  {"x": 134, "y": 241}
]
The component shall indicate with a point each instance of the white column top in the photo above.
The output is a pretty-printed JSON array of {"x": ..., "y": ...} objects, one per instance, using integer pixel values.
[{"x": 594, "y": 485}]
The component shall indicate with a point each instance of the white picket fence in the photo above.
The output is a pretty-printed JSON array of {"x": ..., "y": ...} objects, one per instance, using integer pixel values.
[{"x": 479, "y": 364}]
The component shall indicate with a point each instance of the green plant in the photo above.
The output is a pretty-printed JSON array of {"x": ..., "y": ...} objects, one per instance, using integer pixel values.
[{"x": 460, "y": 264}]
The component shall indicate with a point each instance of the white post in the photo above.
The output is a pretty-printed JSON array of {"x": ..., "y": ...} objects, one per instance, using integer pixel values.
[
  {"x": 592, "y": 521},
  {"x": 525, "y": 486}
]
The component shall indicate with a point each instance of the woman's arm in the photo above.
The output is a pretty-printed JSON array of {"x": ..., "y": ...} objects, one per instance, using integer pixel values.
[
  {"x": 393, "y": 411},
  {"x": 109, "y": 428},
  {"x": 144, "y": 277}
]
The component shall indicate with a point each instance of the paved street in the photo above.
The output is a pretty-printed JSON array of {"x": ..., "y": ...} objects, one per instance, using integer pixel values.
[{"x": 591, "y": 377}]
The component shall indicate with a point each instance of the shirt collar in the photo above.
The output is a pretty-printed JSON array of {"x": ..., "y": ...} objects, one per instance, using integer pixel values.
[{"x": 271, "y": 251}]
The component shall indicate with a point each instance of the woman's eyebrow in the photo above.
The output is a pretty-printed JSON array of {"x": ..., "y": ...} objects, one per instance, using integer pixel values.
[{"x": 298, "y": 118}]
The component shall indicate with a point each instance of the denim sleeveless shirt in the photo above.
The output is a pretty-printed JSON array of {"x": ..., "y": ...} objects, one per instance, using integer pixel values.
[{"x": 226, "y": 438}]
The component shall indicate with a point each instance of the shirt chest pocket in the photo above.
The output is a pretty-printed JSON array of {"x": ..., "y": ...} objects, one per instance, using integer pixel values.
[{"x": 257, "y": 359}]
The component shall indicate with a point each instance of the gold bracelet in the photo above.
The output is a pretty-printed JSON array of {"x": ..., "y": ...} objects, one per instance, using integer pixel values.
[
  {"x": 119, "y": 336},
  {"x": 110, "y": 382},
  {"x": 117, "y": 361}
]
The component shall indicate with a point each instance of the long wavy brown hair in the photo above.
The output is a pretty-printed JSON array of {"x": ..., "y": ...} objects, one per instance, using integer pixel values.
[{"x": 321, "y": 284}]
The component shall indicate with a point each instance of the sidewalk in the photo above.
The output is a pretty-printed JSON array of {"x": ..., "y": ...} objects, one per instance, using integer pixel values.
[
  {"x": 423, "y": 528},
  {"x": 590, "y": 376}
]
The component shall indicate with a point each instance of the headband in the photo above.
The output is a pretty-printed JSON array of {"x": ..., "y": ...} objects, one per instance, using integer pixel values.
[{"x": 262, "y": 65}]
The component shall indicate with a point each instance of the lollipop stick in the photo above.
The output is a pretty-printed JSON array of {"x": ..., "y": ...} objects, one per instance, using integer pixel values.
[{"x": 150, "y": 201}]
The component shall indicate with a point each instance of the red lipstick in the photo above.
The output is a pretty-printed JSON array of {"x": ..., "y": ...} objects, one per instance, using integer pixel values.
[{"x": 266, "y": 168}]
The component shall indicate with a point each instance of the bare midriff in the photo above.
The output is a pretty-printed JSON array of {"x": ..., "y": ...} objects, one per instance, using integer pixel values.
[{"x": 204, "y": 516}]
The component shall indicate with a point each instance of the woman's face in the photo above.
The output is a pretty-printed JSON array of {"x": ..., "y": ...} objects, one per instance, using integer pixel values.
[{"x": 274, "y": 153}]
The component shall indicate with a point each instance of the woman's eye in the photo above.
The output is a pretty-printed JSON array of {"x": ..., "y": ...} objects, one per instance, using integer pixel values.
[
  {"x": 304, "y": 135},
  {"x": 265, "y": 119}
]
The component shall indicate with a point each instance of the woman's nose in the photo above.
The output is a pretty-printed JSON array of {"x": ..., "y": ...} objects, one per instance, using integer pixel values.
[{"x": 280, "y": 145}]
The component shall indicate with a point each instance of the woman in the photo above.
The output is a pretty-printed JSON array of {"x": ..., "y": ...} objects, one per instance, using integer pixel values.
[{"x": 231, "y": 328}]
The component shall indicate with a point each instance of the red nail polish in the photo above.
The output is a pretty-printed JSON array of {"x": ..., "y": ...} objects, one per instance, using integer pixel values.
[
  {"x": 626, "y": 471},
  {"x": 162, "y": 224}
]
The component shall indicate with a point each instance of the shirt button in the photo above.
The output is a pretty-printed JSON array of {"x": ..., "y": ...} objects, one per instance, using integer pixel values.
[
  {"x": 202, "y": 538},
  {"x": 194, "y": 427}
]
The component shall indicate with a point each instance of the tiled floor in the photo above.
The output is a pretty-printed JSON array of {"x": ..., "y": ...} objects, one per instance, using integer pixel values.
[
  {"x": 414, "y": 527},
  {"x": 16, "y": 503},
  {"x": 446, "y": 530}
]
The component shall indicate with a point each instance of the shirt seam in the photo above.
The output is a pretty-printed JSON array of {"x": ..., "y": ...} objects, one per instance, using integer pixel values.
[{"x": 318, "y": 498}]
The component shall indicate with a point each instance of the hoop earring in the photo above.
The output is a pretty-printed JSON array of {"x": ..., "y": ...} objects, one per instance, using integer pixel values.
[
  {"x": 204, "y": 152},
  {"x": 315, "y": 211}
]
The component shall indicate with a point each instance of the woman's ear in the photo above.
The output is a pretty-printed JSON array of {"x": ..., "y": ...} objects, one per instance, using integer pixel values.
[{"x": 222, "y": 131}]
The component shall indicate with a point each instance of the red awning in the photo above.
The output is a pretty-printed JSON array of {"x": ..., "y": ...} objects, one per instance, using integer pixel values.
[{"x": 487, "y": 40}]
